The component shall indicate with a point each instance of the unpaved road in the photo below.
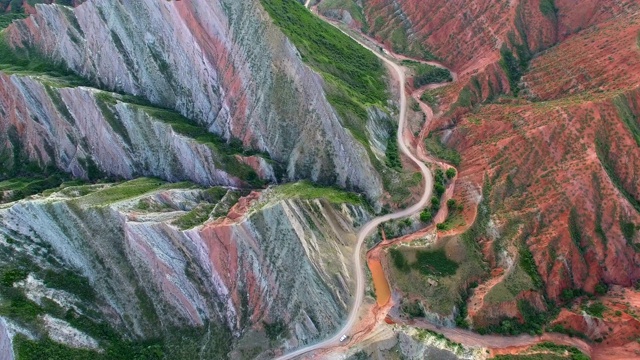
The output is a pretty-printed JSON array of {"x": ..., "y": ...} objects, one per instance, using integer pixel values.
[{"x": 371, "y": 226}]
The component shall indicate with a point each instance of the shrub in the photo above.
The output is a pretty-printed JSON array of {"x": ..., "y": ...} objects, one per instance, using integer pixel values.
[
  {"x": 392, "y": 155},
  {"x": 528, "y": 264},
  {"x": 413, "y": 309},
  {"x": 596, "y": 309},
  {"x": 11, "y": 276},
  {"x": 399, "y": 261},
  {"x": 426, "y": 216},
  {"x": 451, "y": 173},
  {"x": 451, "y": 204},
  {"x": 601, "y": 289},
  {"x": 435, "y": 263},
  {"x": 276, "y": 330},
  {"x": 628, "y": 230},
  {"x": 437, "y": 149},
  {"x": 429, "y": 74},
  {"x": 549, "y": 9}
]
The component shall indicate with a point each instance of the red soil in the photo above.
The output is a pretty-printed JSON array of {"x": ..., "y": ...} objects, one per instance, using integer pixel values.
[{"x": 546, "y": 172}]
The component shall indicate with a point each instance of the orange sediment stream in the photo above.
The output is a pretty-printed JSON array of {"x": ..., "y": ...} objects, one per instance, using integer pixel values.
[{"x": 383, "y": 293}]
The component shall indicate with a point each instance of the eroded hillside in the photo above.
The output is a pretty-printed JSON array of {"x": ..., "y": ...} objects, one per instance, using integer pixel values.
[
  {"x": 543, "y": 127},
  {"x": 125, "y": 265}
]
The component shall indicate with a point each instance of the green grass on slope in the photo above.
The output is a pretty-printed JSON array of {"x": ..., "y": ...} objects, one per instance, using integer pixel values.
[
  {"x": 428, "y": 74},
  {"x": 437, "y": 149},
  {"x": 7, "y": 19},
  {"x": 354, "y": 76},
  {"x": 307, "y": 191},
  {"x": 127, "y": 190},
  {"x": 226, "y": 151},
  {"x": 24, "y": 61}
]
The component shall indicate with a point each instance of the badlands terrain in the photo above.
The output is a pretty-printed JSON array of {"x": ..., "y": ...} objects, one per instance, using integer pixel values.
[{"x": 333, "y": 179}]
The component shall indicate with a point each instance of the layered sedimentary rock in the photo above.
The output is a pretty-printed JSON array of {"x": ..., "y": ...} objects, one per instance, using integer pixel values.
[
  {"x": 76, "y": 128},
  {"x": 558, "y": 157},
  {"x": 151, "y": 273},
  {"x": 222, "y": 64}
]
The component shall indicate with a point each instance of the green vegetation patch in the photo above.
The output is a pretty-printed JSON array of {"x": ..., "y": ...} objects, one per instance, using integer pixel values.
[
  {"x": 392, "y": 155},
  {"x": 528, "y": 264},
  {"x": 30, "y": 62},
  {"x": 354, "y": 75},
  {"x": 399, "y": 261},
  {"x": 276, "y": 330},
  {"x": 412, "y": 309},
  {"x": 106, "y": 105},
  {"x": 22, "y": 187},
  {"x": 428, "y": 74},
  {"x": 595, "y": 309},
  {"x": 7, "y": 19},
  {"x": 435, "y": 263},
  {"x": 439, "y": 277},
  {"x": 628, "y": 117},
  {"x": 427, "y": 262},
  {"x": 512, "y": 285},
  {"x": 437, "y": 149},
  {"x": 195, "y": 217},
  {"x": 305, "y": 190},
  {"x": 533, "y": 322},
  {"x": 225, "y": 151},
  {"x": 126, "y": 190},
  {"x": 603, "y": 150},
  {"x": 549, "y": 9}
]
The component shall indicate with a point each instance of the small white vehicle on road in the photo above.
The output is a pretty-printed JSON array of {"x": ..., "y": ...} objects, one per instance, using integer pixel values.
[{"x": 343, "y": 338}]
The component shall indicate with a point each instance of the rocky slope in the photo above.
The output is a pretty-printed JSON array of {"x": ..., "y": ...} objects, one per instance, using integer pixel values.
[
  {"x": 556, "y": 159},
  {"x": 147, "y": 265},
  {"x": 221, "y": 64},
  {"x": 79, "y": 128}
]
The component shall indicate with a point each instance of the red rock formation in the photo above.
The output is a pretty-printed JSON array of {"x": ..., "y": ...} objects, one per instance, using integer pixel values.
[{"x": 563, "y": 159}]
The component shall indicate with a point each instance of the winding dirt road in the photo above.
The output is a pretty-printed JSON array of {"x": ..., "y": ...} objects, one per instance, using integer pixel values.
[{"x": 371, "y": 226}]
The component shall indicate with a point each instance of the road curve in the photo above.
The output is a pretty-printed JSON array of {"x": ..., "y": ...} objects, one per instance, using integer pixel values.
[{"x": 368, "y": 228}]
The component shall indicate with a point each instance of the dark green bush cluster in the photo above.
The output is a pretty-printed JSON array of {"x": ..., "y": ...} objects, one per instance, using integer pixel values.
[
  {"x": 628, "y": 230},
  {"x": 330, "y": 51},
  {"x": 437, "y": 149},
  {"x": 549, "y": 9},
  {"x": 596, "y": 309},
  {"x": 392, "y": 155},
  {"x": 440, "y": 181},
  {"x": 558, "y": 328},
  {"x": 276, "y": 330},
  {"x": 413, "y": 309},
  {"x": 461, "y": 317},
  {"x": 574, "y": 353},
  {"x": 399, "y": 261},
  {"x": 433, "y": 263},
  {"x": 534, "y": 322},
  {"x": 528, "y": 264},
  {"x": 568, "y": 295},
  {"x": 429, "y": 74}
]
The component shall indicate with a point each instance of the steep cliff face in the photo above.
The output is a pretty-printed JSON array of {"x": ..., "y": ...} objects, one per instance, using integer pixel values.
[
  {"x": 77, "y": 128},
  {"x": 151, "y": 265},
  {"x": 222, "y": 64}
]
